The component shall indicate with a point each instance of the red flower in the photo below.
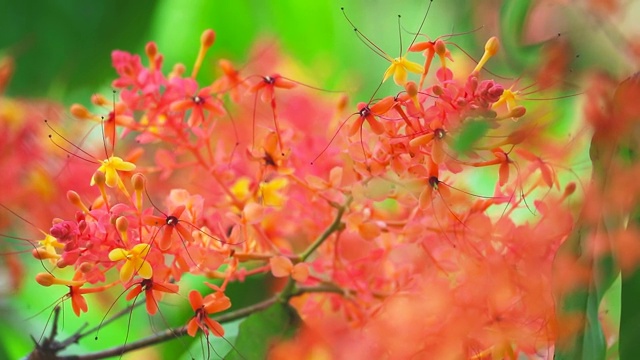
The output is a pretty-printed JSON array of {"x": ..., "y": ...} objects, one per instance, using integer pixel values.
[{"x": 203, "y": 307}]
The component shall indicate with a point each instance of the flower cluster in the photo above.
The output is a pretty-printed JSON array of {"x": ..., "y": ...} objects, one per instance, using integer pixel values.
[{"x": 370, "y": 218}]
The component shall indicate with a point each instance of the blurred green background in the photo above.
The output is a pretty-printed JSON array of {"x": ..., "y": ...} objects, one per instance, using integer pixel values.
[{"x": 62, "y": 51}]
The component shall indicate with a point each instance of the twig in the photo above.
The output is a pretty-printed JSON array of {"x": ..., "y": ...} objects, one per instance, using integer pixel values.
[{"x": 169, "y": 334}]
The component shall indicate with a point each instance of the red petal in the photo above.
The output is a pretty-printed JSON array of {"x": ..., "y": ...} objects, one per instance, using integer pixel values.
[
  {"x": 195, "y": 299},
  {"x": 375, "y": 125},
  {"x": 382, "y": 106},
  {"x": 215, "y": 327},
  {"x": 192, "y": 327},
  {"x": 184, "y": 232},
  {"x": 134, "y": 292},
  {"x": 284, "y": 83},
  {"x": 165, "y": 240},
  {"x": 504, "y": 173},
  {"x": 181, "y": 105},
  {"x": 356, "y": 126},
  {"x": 152, "y": 306}
]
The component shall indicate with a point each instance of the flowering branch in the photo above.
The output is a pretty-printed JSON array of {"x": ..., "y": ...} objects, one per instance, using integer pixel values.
[
  {"x": 289, "y": 291},
  {"x": 169, "y": 334}
]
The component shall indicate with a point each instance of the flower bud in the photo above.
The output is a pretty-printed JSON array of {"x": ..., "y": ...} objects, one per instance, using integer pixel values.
[
  {"x": 80, "y": 112},
  {"x": 492, "y": 46},
  {"x": 122, "y": 224},
  {"x": 137, "y": 180},
  {"x": 85, "y": 267},
  {"x": 99, "y": 178},
  {"x": 207, "y": 38},
  {"x": 74, "y": 199}
]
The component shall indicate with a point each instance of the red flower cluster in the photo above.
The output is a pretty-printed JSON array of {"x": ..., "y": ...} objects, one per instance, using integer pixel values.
[{"x": 384, "y": 218}]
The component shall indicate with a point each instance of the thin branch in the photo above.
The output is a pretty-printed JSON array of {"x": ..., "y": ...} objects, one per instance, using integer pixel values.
[
  {"x": 169, "y": 334},
  {"x": 335, "y": 226}
]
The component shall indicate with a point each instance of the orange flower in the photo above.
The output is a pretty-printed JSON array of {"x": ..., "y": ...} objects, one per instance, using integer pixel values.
[{"x": 203, "y": 307}]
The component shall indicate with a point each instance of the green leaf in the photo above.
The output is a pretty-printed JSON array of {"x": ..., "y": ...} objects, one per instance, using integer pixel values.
[
  {"x": 513, "y": 19},
  {"x": 629, "y": 345},
  {"x": 260, "y": 330},
  {"x": 589, "y": 342},
  {"x": 471, "y": 132}
]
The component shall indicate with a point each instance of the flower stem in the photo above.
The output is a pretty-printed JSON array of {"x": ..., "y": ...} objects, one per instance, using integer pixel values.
[{"x": 336, "y": 225}]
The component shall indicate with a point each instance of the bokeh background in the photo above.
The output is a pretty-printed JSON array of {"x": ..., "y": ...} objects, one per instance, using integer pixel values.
[{"x": 62, "y": 53}]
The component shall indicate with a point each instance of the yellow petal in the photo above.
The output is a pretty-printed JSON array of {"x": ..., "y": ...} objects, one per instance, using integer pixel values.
[
  {"x": 118, "y": 254},
  {"x": 126, "y": 272},
  {"x": 111, "y": 177},
  {"x": 413, "y": 67},
  {"x": 143, "y": 268},
  {"x": 390, "y": 71},
  {"x": 141, "y": 250},
  {"x": 400, "y": 76},
  {"x": 119, "y": 164}
]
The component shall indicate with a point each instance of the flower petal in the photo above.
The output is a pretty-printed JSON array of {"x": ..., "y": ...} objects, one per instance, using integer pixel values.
[
  {"x": 281, "y": 266},
  {"x": 195, "y": 299},
  {"x": 143, "y": 268},
  {"x": 413, "y": 66},
  {"x": 111, "y": 177},
  {"x": 215, "y": 327},
  {"x": 118, "y": 254},
  {"x": 400, "y": 75},
  {"x": 192, "y": 327},
  {"x": 300, "y": 272},
  {"x": 126, "y": 272},
  {"x": 141, "y": 250}
]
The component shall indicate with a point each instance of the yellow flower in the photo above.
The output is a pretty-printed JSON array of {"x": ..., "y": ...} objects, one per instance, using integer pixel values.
[
  {"x": 49, "y": 244},
  {"x": 110, "y": 169},
  {"x": 270, "y": 192},
  {"x": 240, "y": 188},
  {"x": 135, "y": 262},
  {"x": 399, "y": 67}
]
